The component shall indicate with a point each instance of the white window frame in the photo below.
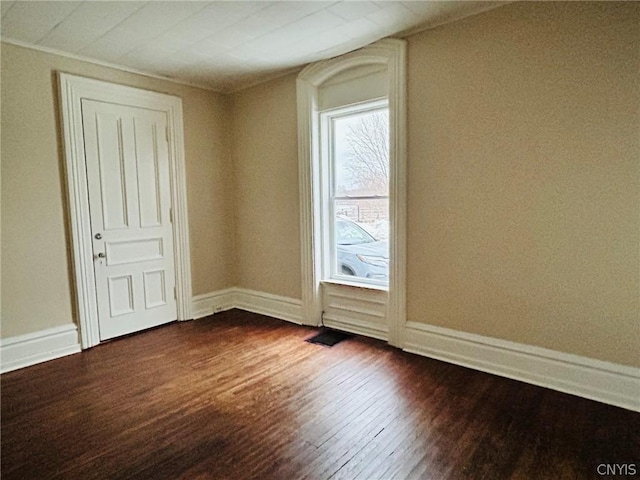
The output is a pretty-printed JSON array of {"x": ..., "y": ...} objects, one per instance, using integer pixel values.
[
  {"x": 390, "y": 53},
  {"x": 327, "y": 180}
]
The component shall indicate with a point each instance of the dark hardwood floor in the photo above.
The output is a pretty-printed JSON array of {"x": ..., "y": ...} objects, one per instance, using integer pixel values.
[{"x": 241, "y": 396}]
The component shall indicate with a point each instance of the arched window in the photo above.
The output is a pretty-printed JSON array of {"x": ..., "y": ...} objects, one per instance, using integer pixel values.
[{"x": 351, "y": 136}]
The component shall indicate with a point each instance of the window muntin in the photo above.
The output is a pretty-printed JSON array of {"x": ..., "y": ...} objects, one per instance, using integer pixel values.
[{"x": 355, "y": 162}]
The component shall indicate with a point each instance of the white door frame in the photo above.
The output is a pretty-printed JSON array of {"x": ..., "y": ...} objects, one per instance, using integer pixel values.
[{"x": 73, "y": 90}]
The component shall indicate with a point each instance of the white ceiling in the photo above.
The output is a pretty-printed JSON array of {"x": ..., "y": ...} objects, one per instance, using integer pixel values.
[{"x": 220, "y": 45}]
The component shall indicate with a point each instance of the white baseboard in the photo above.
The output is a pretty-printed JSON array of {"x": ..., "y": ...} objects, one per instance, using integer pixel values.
[
  {"x": 210, "y": 303},
  {"x": 605, "y": 382},
  {"x": 282, "y": 308},
  {"x": 26, "y": 350},
  {"x": 276, "y": 306}
]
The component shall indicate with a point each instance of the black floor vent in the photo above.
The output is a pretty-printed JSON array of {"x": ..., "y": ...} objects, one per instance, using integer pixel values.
[{"x": 328, "y": 337}]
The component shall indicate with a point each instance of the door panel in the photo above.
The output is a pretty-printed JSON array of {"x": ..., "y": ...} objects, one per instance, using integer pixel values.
[
  {"x": 111, "y": 170},
  {"x": 132, "y": 251},
  {"x": 120, "y": 295},
  {"x": 147, "y": 163},
  {"x": 129, "y": 198},
  {"x": 154, "y": 288}
]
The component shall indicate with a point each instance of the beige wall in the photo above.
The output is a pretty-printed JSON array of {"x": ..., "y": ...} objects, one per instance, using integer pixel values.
[
  {"x": 266, "y": 182},
  {"x": 36, "y": 277},
  {"x": 524, "y": 169}
]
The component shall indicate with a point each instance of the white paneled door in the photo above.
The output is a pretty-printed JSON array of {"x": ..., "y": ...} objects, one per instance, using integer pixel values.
[{"x": 127, "y": 162}]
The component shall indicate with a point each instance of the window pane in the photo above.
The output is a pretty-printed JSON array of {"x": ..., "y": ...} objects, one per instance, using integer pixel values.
[
  {"x": 361, "y": 195},
  {"x": 361, "y": 154}
]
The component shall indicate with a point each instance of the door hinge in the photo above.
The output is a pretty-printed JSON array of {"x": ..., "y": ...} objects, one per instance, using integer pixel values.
[
  {"x": 166, "y": 132},
  {"x": 175, "y": 295},
  {"x": 170, "y": 215}
]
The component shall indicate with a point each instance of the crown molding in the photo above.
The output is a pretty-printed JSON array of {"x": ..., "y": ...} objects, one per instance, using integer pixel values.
[{"x": 114, "y": 66}]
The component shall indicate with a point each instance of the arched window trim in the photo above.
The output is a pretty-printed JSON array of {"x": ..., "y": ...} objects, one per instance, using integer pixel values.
[{"x": 392, "y": 54}]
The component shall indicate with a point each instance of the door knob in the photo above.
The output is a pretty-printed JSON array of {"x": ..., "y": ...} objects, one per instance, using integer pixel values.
[
  {"x": 98, "y": 236},
  {"x": 100, "y": 255}
]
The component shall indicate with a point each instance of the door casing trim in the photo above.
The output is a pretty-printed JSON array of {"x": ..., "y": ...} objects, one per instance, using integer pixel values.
[{"x": 73, "y": 89}]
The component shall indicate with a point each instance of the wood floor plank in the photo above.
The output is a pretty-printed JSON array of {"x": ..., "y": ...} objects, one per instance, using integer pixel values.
[{"x": 243, "y": 396}]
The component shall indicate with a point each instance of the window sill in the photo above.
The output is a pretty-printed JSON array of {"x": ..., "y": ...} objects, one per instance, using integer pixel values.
[{"x": 346, "y": 283}]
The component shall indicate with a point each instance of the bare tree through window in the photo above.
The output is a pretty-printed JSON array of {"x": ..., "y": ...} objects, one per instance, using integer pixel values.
[{"x": 368, "y": 153}]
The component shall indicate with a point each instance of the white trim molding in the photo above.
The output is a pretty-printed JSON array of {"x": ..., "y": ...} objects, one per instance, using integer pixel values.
[
  {"x": 389, "y": 53},
  {"x": 353, "y": 325},
  {"x": 26, "y": 350},
  {"x": 355, "y": 309},
  {"x": 276, "y": 306},
  {"x": 214, "y": 302},
  {"x": 73, "y": 90},
  {"x": 115, "y": 66},
  {"x": 605, "y": 382}
]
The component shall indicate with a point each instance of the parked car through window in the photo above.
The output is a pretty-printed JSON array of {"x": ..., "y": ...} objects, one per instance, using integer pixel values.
[{"x": 359, "y": 253}]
